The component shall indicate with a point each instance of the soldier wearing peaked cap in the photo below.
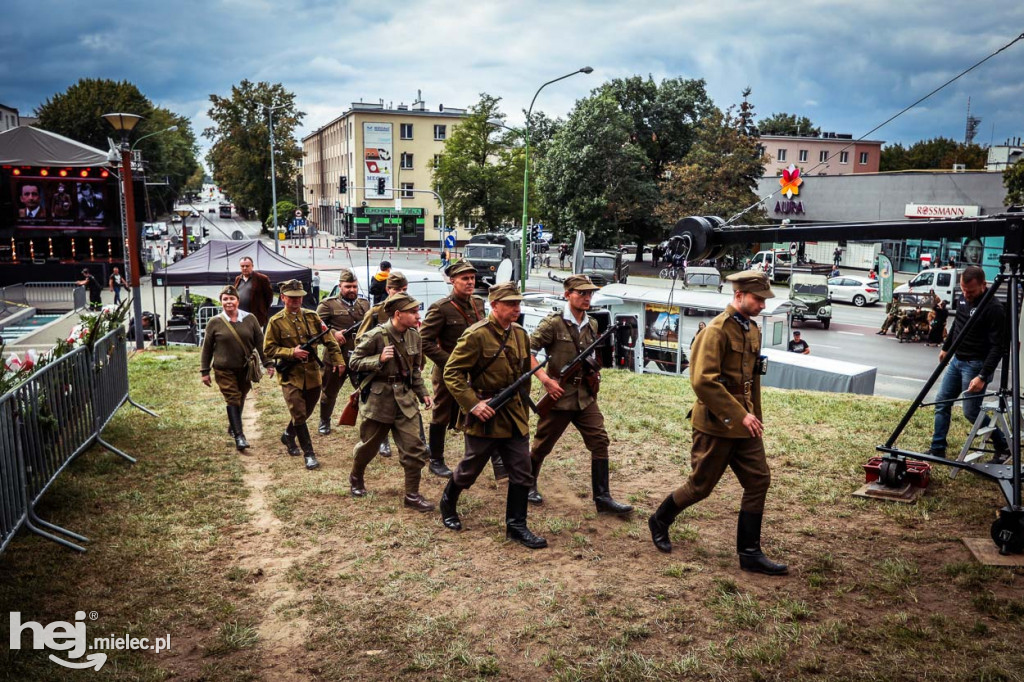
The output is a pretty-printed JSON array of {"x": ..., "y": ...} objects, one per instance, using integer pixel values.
[
  {"x": 488, "y": 358},
  {"x": 562, "y": 336},
  {"x": 390, "y": 354},
  {"x": 339, "y": 312},
  {"x": 445, "y": 322},
  {"x": 286, "y": 332},
  {"x": 725, "y": 371}
]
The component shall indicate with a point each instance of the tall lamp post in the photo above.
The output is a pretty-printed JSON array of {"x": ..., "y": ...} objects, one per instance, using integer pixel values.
[
  {"x": 124, "y": 123},
  {"x": 524, "y": 270},
  {"x": 273, "y": 173}
]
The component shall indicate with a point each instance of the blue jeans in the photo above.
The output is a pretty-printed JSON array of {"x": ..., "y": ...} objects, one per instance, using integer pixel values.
[{"x": 954, "y": 382}]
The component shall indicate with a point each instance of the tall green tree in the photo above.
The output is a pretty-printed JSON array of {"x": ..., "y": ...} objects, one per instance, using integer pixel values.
[
  {"x": 480, "y": 172},
  {"x": 1013, "y": 180},
  {"x": 170, "y": 158},
  {"x": 240, "y": 156},
  {"x": 787, "y": 124},
  {"x": 940, "y": 153}
]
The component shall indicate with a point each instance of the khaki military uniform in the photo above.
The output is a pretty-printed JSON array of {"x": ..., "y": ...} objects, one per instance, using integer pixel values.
[
  {"x": 486, "y": 360},
  {"x": 373, "y": 318},
  {"x": 728, "y": 387},
  {"x": 301, "y": 389},
  {"x": 228, "y": 358},
  {"x": 445, "y": 322},
  {"x": 563, "y": 340},
  {"x": 338, "y": 315},
  {"x": 892, "y": 316},
  {"x": 392, "y": 404}
]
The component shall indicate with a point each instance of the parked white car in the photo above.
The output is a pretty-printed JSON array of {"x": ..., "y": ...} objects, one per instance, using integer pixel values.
[{"x": 859, "y": 291}]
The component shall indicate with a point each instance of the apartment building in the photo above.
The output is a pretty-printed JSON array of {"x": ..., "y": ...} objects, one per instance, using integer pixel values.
[
  {"x": 8, "y": 118},
  {"x": 825, "y": 154},
  {"x": 382, "y": 157}
]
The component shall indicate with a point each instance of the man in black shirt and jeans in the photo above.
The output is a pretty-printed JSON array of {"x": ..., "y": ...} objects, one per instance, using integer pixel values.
[
  {"x": 798, "y": 345},
  {"x": 975, "y": 360}
]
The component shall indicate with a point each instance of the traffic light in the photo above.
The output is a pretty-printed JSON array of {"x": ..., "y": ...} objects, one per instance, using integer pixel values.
[
  {"x": 380, "y": 186},
  {"x": 534, "y": 233},
  {"x": 206, "y": 231},
  {"x": 343, "y": 185}
]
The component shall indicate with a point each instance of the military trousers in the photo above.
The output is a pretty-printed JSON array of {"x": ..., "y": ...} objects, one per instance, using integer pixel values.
[
  {"x": 412, "y": 453},
  {"x": 234, "y": 385},
  {"x": 514, "y": 453},
  {"x": 300, "y": 401},
  {"x": 588, "y": 421},
  {"x": 446, "y": 410},
  {"x": 710, "y": 457},
  {"x": 331, "y": 383}
]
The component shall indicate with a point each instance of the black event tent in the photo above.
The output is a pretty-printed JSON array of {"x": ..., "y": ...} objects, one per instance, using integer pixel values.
[{"x": 217, "y": 264}]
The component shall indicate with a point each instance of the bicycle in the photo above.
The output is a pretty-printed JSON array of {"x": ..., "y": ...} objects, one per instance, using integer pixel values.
[{"x": 668, "y": 273}]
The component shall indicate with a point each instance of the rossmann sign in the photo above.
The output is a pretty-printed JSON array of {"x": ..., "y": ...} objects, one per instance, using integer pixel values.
[{"x": 941, "y": 211}]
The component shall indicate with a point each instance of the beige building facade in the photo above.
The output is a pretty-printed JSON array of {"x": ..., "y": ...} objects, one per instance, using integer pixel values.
[
  {"x": 825, "y": 154},
  {"x": 383, "y": 156}
]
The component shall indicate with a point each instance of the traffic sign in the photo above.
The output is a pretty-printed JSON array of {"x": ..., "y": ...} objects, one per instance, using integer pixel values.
[{"x": 449, "y": 241}]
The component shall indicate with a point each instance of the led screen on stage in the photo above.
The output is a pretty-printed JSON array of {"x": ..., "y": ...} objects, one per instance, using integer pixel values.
[{"x": 62, "y": 203}]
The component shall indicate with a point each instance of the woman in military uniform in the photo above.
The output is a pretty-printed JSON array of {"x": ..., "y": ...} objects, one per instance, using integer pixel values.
[
  {"x": 563, "y": 335},
  {"x": 339, "y": 312},
  {"x": 390, "y": 354},
  {"x": 445, "y": 322},
  {"x": 488, "y": 358},
  {"x": 727, "y": 422},
  {"x": 227, "y": 345},
  {"x": 286, "y": 332}
]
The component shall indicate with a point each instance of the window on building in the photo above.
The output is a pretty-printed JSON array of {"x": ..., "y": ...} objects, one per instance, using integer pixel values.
[
  {"x": 406, "y": 131},
  {"x": 803, "y": 155},
  {"x": 844, "y": 157},
  {"x": 863, "y": 158},
  {"x": 406, "y": 161},
  {"x": 439, "y": 132},
  {"x": 407, "y": 188},
  {"x": 437, "y": 222},
  {"x": 780, "y": 155},
  {"x": 437, "y": 160},
  {"x": 823, "y": 156}
]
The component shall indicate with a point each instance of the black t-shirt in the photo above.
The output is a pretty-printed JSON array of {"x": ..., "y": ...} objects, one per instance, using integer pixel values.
[{"x": 797, "y": 346}]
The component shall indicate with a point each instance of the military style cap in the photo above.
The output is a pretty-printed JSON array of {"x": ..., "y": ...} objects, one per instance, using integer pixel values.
[
  {"x": 346, "y": 275},
  {"x": 459, "y": 267},
  {"x": 292, "y": 287},
  {"x": 397, "y": 280},
  {"x": 229, "y": 290},
  {"x": 752, "y": 282},
  {"x": 579, "y": 283},
  {"x": 507, "y": 292},
  {"x": 400, "y": 302}
]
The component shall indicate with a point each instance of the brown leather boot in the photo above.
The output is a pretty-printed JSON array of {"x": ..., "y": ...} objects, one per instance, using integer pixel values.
[{"x": 417, "y": 502}]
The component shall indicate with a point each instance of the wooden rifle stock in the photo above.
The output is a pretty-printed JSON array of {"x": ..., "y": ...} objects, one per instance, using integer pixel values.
[
  {"x": 284, "y": 367},
  {"x": 351, "y": 411}
]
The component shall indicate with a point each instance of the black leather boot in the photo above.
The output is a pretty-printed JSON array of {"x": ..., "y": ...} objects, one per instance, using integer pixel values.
[
  {"x": 500, "y": 473},
  {"x": 302, "y": 432},
  {"x": 324, "y": 429},
  {"x": 235, "y": 419},
  {"x": 437, "y": 465},
  {"x": 599, "y": 482},
  {"x": 515, "y": 519},
  {"x": 748, "y": 546},
  {"x": 660, "y": 521},
  {"x": 288, "y": 439},
  {"x": 385, "y": 447},
  {"x": 449, "y": 506},
  {"x": 534, "y": 497}
]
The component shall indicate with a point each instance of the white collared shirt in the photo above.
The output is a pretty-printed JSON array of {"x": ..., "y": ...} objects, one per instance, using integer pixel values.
[
  {"x": 567, "y": 315},
  {"x": 241, "y": 315}
]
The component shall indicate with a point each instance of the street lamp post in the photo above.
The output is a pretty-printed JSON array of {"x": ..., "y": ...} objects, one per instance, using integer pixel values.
[
  {"x": 124, "y": 123},
  {"x": 524, "y": 270},
  {"x": 273, "y": 173}
]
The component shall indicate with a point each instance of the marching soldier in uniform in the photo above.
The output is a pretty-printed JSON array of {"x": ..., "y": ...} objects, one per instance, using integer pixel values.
[
  {"x": 442, "y": 327},
  {"x": 339, "y": 312},
  {"x": 563, "y": 335},
  {"x": 286, "y": 332},
  {"x": 389, "y": 355},
  {"x": 488, "y": 358},
  {"x": 725, "y": 372}
]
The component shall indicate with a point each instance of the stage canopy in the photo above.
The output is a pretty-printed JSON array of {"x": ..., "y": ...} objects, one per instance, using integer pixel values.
[
  {"x": 217, "y": 263},
  {"x": 28, "y": 146}
]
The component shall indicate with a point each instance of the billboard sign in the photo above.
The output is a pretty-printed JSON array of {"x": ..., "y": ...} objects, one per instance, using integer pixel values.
[{"x": 377, "y": 160}]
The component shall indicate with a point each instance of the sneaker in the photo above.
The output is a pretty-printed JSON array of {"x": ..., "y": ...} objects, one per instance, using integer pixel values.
[{"x": 936, "y": 452}]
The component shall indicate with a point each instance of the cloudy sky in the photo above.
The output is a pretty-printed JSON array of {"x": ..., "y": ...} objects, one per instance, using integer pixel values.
[{"x": 848, "y": 65}]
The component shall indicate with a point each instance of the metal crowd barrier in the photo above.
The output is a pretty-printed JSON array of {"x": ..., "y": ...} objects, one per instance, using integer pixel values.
[
  {"x": 46, "y": 294},
  {"x": 203, "y": 316},
  {"x": 50, "y": 419}
]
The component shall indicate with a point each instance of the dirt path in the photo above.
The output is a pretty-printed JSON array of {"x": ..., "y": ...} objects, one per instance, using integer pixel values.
[{"x": 263, "y": 551}]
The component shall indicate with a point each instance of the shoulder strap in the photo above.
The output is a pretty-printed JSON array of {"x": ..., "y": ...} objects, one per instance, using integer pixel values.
[
  {"x": 461, "y": 311},
  {"x": 234, "y": 332},
  {"x": 483, "y": 368},
  {"x": 398, "y": 347}
]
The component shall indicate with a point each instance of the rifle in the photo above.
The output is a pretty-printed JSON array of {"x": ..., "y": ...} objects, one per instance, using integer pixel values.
[
  {"x": 581, "y": 363},
  {"x": 506, "y": 394},
  {"x": 284, "y": 367}
]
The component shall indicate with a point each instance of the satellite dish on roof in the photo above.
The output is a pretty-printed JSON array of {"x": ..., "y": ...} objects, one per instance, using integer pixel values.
[
  {"x": 504, "y": 272},
  {"x": 577, "y": 253}
]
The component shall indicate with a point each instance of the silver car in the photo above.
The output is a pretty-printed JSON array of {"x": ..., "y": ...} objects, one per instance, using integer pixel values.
[{"x": 859, "y": 291}]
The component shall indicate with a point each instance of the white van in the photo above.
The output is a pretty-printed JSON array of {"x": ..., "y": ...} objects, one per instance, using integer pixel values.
[{"x": 945, "y": 282}]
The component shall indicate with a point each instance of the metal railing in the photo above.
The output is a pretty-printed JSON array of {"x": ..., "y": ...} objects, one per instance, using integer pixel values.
[
  {"x": 46, "y": 295},
  {"x": 203, "y": 317},
  {"x": 48, "y": 421}
]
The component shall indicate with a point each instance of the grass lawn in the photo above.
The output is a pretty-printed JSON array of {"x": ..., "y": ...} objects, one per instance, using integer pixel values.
[{"x": 260, "y": 570}]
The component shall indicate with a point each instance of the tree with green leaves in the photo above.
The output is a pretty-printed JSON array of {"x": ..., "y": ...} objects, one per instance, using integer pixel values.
[
  {"x": 480, "y": 172},
  {"x": 940, "y": 153},
  {"x": 1013, "y": 180},
  {"x": 240, "y": 155},
  {"x": 169, "y": 157},
  {"x": 787, "y": 124}
]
